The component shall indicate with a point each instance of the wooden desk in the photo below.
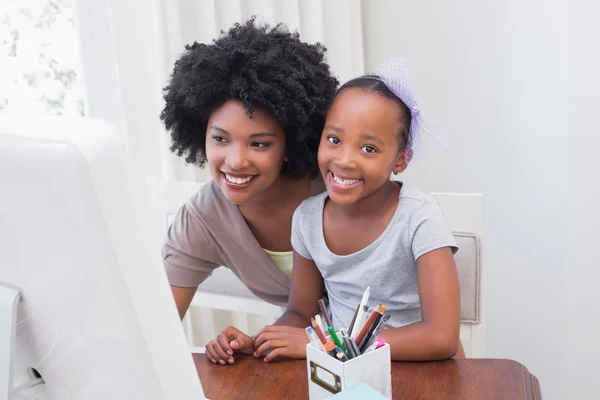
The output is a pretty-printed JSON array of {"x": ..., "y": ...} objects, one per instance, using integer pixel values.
[{"x": 467, "y": 379}]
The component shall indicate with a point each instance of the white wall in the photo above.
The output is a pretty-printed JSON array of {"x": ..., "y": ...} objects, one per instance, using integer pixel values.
[
  {"x": 492, "y": 78},
  {"x": 584, "y": 164}
]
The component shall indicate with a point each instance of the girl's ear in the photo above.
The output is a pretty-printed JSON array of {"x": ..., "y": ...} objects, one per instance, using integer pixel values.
[{"x": 401, "y": 161}]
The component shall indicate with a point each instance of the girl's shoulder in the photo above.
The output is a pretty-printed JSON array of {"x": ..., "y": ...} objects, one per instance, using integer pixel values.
[
  {"x": 311, "y": 207},
  {"x": 414, "y": 198}
]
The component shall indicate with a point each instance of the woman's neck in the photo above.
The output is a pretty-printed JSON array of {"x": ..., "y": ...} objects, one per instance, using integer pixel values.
[{"x": 283, "y": 192}]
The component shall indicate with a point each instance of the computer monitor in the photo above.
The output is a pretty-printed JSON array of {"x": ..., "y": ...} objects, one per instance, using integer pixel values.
[{"x": 95, "y": 318}]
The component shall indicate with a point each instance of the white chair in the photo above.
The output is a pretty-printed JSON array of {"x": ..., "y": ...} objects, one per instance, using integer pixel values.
[
  {"x": 223, "y": 300},
  {"x": 464, "y": 216}
]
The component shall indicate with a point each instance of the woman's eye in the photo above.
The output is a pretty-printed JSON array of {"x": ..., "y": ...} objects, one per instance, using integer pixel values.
[
  {"x": 333, "y": 140},
  {"x": 368, "y": 149},
  {"x": 260, "y": 145},
  {"x": 219, "y": 139}
]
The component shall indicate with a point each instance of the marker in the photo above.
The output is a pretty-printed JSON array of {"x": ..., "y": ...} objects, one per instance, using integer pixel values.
[
  {"x": 330, "y": 349},
  {"x": 335, "y": 338},
  {"x": 380, "y": 342}
]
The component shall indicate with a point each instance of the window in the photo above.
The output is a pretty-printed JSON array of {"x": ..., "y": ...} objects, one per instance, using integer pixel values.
[{"x": 39, "y": 58}]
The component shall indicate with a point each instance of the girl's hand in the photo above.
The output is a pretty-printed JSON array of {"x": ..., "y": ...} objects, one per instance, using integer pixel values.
[
  {"x": 281, "y": 341},
  {"x": 228, "y": 342}
]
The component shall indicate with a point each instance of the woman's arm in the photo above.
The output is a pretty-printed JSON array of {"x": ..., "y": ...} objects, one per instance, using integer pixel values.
[
  {"x": 183, "y": 298},
  {"x": 436, "y": 337},
  {"x": 287, "y": 337}
]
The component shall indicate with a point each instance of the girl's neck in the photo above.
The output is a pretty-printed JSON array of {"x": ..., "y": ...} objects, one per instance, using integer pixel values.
[{"x": 378, "y": 203}]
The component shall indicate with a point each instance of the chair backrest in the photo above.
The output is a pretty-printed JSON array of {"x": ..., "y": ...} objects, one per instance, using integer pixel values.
[{"x": 464, "y": 215}]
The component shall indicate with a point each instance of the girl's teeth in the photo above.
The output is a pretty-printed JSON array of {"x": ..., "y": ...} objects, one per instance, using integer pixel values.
[
  {"x": 344, "y": 181},
  {"x": 236, "y": 180}
]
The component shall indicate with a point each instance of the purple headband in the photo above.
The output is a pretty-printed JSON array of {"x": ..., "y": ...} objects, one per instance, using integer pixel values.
[{"x": 394, "y": 74}]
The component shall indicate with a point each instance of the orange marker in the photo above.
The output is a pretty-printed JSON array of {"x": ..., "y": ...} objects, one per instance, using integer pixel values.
[{"x": 330, "y": 348}]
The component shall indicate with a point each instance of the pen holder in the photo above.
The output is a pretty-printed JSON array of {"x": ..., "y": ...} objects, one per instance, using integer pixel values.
[{"x": 328, "y": 376}]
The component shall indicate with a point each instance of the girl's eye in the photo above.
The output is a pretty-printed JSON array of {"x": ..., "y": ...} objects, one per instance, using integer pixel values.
[
  {"x": 260, "y": 145},
  {"x": 219, "y": 139},
  {"x": 368, "y": 149},
  {"x": 333, "y": 140}
]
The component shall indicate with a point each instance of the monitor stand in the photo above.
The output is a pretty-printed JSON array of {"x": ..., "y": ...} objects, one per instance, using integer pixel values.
[{"x": 9, "y": 300}]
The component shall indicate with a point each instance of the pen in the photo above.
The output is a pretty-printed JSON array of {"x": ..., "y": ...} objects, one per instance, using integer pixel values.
[
  {"x": 367, "y": 339},
  {"x": 365, "y": 329},
  {"x": 359, "y": 317},
  {"x": 313, "y": 337},
  {"x": 382, "y": 323},
  {"x": 349, "y": 349},
  {"x": 340, "y": 354},
  {"x": 318, "y": 331},
  {"x": 335, "y": 338},
  {"x": 324, "y": 312},
  {"x": 353, "y": 320}
]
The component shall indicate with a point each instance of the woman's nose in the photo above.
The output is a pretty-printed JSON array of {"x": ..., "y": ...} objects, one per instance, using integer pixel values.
[{"x": 237, "y": 158}]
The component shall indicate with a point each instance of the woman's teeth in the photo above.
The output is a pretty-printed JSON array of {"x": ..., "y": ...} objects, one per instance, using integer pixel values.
[
  {"x": 344, "y": 181},
  {"x": 238, "y": 180}
]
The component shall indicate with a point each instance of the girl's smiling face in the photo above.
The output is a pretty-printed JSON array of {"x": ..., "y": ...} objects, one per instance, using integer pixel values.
[{"x": 361, "y": 145}]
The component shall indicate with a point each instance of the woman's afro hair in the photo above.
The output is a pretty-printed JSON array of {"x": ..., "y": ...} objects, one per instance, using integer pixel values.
[{"x": 263, "y": 67}]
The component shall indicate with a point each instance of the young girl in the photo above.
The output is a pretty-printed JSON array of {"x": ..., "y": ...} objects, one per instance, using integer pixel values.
[{"x": 368, "y": 230}]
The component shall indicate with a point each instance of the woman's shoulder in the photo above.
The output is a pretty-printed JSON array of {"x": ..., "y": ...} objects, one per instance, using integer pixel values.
[{"x": 209, "y": 202}]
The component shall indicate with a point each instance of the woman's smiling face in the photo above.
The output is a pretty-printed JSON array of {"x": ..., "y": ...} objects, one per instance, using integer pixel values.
[{"x": 245, "y": 155}]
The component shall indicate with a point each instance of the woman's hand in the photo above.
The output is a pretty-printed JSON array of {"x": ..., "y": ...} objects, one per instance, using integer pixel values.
[
  {"x": 228, "y": 342},
  {"x": 281, "y": 341}
]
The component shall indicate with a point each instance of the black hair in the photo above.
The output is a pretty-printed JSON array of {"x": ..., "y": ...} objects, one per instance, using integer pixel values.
[
  {"x": 373, "y": 83},
  {"x": 263, "y": 67}
]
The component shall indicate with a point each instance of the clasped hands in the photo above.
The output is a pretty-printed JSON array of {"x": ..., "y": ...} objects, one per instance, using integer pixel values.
[{"x": 271, "y": 342}]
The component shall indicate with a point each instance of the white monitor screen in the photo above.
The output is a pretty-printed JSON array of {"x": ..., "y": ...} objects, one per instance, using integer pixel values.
[{"x": 96, "y": 319}]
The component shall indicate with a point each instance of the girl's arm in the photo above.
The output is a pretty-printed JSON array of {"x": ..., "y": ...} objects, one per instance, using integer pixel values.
[
  {"x": 287, "y": 337},
  {"x": 305, "y": 292},
  {"x": 436, "y": 337}
]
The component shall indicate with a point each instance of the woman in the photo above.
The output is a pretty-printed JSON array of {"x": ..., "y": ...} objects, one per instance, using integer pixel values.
[{"x": 251, "y": 106}]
